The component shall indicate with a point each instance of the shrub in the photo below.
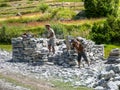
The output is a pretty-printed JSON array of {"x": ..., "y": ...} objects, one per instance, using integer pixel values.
[
  {"x": 108, "y": 32},
  {"x": 4, "y": 5},
  {"x": 8, "y": 32},
  {"x": 59, "y": 29},
  {"x": 22, "y": 19},
  {"x": 101, "y": 8},
  {"x": 64, "y": 14},
  {"x": 45, "y": 17},
  {"x": 5, "y": 35},
  {"x": 43, "y": 7},
  {"x": 53, "y": 12},
  {"x": 78, "y": 30}
]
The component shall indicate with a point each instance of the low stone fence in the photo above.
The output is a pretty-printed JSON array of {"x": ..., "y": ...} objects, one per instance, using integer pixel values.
[
  {"x": 114, "y": 56},
  {"x": 35, "y": 49}
]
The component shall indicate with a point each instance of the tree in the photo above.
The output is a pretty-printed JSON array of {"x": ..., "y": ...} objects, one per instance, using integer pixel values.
[
  {"x": 107, "y": 32},
  {"x": 101, "y": 8}
]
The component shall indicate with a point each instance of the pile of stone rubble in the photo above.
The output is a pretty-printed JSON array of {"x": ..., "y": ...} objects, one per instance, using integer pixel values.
[
  {"x": 114, "y": 56},
  {"x": 99, "y": 75},
  {"x": 4, "y": 85},
  {"x": 35, "y": 49}
]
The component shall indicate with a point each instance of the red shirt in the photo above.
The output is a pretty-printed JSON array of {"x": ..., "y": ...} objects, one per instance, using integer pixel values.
[{"x": 77, "y": 45}]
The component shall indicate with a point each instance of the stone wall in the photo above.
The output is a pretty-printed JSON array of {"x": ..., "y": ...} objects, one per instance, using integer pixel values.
[
  {"x": 35, "y": 49},
  {"x": 114, "y": 56}
]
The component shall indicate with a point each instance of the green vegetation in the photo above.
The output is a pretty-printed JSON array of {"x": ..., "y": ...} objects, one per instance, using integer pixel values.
[
  {"x": 21, "y": 19},
  {"x": 6, "y": 47},
  {"x": 107, "y": 32},
  {"x": 61, "y": 17},
  {"x": 65, "y": 14},
  {"x": 67, "y": 86},
  {"x": 101, "y": 8},
  {"x": 3, "y": 5},
  {"x": 43, "y": 7},
  {"x": 108, "y": 48},
  {"x": 8, "y": 32}
]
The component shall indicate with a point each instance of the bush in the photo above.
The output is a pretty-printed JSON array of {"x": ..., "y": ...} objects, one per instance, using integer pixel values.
[
  {"x": 43, "y": 7},
  {"x": 59, "y": 30},
  {"x": 62, "y": 30},
  {"x": 4, "y": 5},
  {"x": 53, "y": 12},
  {"x": 62, "y": 14},
  {"x": 108, "y": 32},
  {"x": 78, "y": 30},
  {"x": 5, "y": 35},
  {"x": 101, "y": 8},
  {"x": 9, "y": 32},
  {"x": 45, "y": 17}
]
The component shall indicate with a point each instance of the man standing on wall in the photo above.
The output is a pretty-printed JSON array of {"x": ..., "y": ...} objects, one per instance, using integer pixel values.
[{"x": 51, "y": 36}]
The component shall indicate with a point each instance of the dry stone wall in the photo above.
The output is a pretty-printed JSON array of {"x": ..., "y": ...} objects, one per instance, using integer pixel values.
[
  {"x": 35, "y": 49},
  {"x": 114, "y": 56}
]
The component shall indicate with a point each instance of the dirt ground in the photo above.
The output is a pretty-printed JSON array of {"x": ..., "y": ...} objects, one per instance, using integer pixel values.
[{"x": 33, "y": 83}]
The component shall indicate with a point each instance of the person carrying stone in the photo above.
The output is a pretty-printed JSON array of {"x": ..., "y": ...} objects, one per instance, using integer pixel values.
[
  {"x": 52, "y": 37},
  {"x": 80, "y": 50}
]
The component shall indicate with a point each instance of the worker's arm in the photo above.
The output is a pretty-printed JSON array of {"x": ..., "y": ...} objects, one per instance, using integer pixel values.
[{"x": 51, "y": 35}]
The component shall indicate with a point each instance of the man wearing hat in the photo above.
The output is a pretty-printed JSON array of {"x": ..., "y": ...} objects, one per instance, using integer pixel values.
[
  {"x": 51, "y": 36},
  {"x": 80, "y": 50}
]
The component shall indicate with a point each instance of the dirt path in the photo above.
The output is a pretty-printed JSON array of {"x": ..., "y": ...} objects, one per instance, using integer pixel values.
[{"x": 32, "y": 83}]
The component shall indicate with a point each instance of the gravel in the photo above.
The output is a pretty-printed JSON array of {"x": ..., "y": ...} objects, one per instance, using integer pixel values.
[{"x": 98, "y": 75}]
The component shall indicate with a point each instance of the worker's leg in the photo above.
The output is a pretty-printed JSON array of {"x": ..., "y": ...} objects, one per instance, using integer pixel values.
[
  {"x": 53, "y": 45},
  {"x": 85, "y": 58},
  {"x": 79, "y": 59},
  {"x": 49, "y": 47},
  {"x": 53, "y": 49}
]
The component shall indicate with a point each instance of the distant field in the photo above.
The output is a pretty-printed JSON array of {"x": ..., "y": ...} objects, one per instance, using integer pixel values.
[{"x": 8, "y": 9}]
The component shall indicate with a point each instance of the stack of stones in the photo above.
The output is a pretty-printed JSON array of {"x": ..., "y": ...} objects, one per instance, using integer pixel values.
[
  {"x": 66, "y": 58},
  {"x": 114, "y": 56},
  {"x": 35, "y": 49},
  {"x": 25, "y": 49},
  {"x": 69, "y": 58}
]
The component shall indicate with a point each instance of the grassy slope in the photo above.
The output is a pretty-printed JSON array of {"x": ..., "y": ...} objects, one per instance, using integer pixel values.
[
  {"x": 108, "y": 48},
  {"x": 6, "y": 47}
]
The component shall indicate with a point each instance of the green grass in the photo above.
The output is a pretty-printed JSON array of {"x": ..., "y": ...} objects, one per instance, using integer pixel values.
[
  {"x": 108, "y": 48},
  {"x": 6, "y": 47},
  {"x": 67, "y": 86}
]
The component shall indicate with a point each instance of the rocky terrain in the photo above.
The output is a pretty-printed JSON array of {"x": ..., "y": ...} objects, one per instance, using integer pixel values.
[{"x": 99, "y": 75}]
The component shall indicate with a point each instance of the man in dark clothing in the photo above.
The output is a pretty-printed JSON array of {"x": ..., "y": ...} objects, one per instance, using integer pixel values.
[{"x": 80, "y": 50}]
